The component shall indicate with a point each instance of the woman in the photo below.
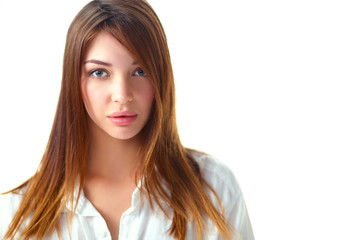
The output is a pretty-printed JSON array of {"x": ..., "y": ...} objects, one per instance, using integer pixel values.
[{"x": 114, "y": 166}]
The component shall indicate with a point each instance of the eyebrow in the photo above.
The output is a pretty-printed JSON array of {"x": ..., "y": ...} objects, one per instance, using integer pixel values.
[
  {"x": 103, "y": 63},
  {"x": 98, "y": 62}
]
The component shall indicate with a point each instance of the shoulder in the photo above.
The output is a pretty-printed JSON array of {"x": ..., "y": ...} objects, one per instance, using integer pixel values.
[
  {"x": 8, "y": 205},
  {"x": 217, "y": 174},
  {"x": 222, "y": 180}
]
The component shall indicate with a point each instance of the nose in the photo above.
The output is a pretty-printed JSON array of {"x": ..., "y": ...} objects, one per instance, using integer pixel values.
[{"x": 121, "y": 92}]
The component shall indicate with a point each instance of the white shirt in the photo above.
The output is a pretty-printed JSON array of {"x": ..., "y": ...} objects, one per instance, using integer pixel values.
[{"x": 139, "y": 222}]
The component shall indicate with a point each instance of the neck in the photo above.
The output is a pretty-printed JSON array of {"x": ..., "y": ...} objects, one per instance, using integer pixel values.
[{"x": 112, "y": 159}]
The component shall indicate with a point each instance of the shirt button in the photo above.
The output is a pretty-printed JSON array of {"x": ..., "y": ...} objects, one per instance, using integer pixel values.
[{"x": 102, "y": 234}]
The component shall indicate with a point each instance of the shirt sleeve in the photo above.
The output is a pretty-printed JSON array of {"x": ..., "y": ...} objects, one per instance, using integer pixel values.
[
  {"x": 239, "y": 218},
  {"x": 222, "y": 180},
  {"x": 228, "y": 189}
]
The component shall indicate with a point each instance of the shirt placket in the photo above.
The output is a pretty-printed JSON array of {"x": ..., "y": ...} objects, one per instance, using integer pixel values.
[{"x": 128, "y": 217}]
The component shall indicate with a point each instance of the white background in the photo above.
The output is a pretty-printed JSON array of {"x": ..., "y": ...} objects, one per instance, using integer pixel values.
[{"x": 258, "y": 86}]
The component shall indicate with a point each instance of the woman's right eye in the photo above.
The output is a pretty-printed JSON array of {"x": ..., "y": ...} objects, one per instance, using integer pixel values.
[{"x": 99, "y": 73}]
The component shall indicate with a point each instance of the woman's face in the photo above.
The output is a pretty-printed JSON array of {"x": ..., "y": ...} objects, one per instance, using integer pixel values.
[{"x": 117, "y": 94}]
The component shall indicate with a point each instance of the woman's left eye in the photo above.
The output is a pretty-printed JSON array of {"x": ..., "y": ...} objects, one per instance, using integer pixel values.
[{"x": 139, "y": 72}]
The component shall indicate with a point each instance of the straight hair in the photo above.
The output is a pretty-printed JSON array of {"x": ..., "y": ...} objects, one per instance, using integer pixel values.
[{"x": 165, "y": 164}]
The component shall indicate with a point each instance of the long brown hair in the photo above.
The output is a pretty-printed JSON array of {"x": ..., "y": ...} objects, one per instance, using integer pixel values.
[{"x": 165, "y": 161}]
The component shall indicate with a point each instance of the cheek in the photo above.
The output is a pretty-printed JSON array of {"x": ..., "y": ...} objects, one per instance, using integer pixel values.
[
  {"x": 85, "y": 95},
  {"x": 91, "y": 97},
  {"x": 148, "y": 96},
  {"x": 143, "y": 93}
]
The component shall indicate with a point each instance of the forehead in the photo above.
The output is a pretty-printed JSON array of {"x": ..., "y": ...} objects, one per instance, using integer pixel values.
[{"x": 106, "y": 47}]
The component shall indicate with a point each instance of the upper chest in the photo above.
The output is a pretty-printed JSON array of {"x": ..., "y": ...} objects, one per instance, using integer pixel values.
[
  {"x": 111, "y": 201},
  {"x": 138, "y": 222}
]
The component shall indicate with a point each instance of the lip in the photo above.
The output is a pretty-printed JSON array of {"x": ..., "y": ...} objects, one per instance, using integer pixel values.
[{"x": 123, "y": 118}]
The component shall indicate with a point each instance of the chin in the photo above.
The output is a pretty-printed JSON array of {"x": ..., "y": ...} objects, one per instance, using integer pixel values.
[{"x": 124, "y": 136}]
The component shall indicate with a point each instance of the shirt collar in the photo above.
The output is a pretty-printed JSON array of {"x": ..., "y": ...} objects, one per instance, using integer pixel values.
[{"x": 86, "y": 208}]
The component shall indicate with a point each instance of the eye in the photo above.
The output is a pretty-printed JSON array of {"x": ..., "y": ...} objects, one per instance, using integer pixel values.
[
  {"x": 99, "y": 73},
  {"x": 139, "y": 72}
]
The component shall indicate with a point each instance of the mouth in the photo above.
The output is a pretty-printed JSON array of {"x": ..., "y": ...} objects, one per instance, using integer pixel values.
[{"x": 123, "y": 118}]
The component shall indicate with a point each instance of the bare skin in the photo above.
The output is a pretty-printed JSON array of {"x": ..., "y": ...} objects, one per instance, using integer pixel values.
[
  {"x": 113, "y": 85},
  {"x": 110, "y": 176}
]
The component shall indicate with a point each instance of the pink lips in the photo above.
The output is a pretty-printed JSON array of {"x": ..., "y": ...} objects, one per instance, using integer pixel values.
[{"x": 122, "y": 118}]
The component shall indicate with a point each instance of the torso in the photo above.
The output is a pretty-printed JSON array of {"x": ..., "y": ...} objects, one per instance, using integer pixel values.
[{"x": 142, "y": 223}]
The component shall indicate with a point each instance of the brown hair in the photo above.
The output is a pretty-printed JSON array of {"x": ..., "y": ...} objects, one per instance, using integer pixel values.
[{"x": 165, "y": 161}]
